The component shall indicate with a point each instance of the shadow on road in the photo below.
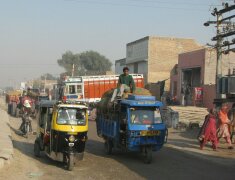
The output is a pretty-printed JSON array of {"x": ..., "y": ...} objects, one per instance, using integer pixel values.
[
  {"x": 169, "y": 163},
  {"x": 26, "y": 148},
  {"x": 16, "y": 131}
]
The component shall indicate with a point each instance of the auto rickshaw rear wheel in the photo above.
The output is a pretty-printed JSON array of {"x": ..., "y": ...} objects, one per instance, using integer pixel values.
[
  {"x": 70, "y": 162},
  {"x": 37, "y": 149},
  {"x": 148, "y": 154}
]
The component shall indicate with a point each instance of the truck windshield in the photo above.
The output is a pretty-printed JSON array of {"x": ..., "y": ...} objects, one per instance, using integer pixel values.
[
  {"x": 73, "y": 89},
  {"x": 71, "y": 116},
  {"x": 43, "y": 98},
  {"x": 145, "y": 116}
]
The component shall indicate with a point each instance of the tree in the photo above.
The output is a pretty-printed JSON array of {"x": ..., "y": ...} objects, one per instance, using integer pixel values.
[
  {"x": 86, "y": 63},
  {"x": 95, "y": 63},
  {"x": 48, "y": 76},
  {"x": 37, "y": 84},
  {"x": 68, "y": 60}
]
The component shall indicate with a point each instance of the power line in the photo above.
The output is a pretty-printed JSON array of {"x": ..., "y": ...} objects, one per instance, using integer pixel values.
[
  {"x": 26, "y": 64},
  {"x": 173, "y": 3},
  {"x": 160, "y": 2},
  {"x": 132, "y": 5}
]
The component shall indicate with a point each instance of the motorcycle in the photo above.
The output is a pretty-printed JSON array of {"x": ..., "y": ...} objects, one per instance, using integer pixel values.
[{"x": 27, "y": 127}]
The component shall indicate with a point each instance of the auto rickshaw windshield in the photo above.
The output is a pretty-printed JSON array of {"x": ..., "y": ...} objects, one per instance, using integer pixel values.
[
  {"x": 144, "y": 116},
  {"x": 71, "y": 116}
]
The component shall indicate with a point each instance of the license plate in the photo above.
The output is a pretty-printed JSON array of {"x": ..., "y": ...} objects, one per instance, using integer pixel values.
[
  {"x": 72, "y": 133},
  {"x": 71, "y": 144},
  {"x": 150, "y": 133}
]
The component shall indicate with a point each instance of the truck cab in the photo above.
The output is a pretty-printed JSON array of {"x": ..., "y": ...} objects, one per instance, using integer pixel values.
[{"x": 72, "y": 89}]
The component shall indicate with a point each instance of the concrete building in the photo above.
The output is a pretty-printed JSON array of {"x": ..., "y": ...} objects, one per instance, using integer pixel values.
[
  {"x": 155, "y": 56},
  {"x": 197, "y": 69},
  {"x": 119, "y": 65}
]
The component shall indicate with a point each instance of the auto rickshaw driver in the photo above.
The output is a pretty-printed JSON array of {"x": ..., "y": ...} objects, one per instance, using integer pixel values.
[{"x": 63, "y": 116}]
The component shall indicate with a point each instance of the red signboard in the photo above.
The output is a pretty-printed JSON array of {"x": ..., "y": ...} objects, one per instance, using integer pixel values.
[{"x": 198, "y": 93}]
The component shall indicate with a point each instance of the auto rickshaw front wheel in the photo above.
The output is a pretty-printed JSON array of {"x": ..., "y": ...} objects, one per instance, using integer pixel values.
[
  {"x": 70, "y": 162},
  {"x": 148, "y": 154}
]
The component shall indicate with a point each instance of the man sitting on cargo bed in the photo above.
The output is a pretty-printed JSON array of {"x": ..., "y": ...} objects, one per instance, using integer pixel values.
[{"x": 125, "y": 83}]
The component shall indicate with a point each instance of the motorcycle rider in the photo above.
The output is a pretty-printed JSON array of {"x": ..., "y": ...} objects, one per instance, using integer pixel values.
[{"x": 26, "y": 116}]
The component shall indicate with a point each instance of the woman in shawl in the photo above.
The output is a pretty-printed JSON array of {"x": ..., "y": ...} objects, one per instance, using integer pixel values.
[
  {"x": 224, "y": 124},
  {"x": 231, "y": 116},
  {"x": 208, "y": 130}
]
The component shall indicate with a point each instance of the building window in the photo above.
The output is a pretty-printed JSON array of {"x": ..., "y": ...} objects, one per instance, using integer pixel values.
[
  {"x": 136, "y": 68},
  {"x": 129, "y": 51},
  {"x": 123, "y": 62}
]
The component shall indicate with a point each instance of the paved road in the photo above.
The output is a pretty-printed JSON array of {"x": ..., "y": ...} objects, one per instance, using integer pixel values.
[{"x": 168, "y": 163}]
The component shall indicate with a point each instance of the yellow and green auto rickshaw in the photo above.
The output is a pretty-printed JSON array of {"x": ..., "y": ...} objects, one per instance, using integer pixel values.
[{"x": 62, "y": 131}]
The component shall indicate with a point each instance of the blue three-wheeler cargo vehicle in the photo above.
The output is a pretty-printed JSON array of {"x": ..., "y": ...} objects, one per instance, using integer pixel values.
[{"x": 133, "y": 124}]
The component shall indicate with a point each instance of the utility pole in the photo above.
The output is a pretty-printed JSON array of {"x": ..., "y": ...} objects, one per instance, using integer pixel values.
[
  {"x": 218, "y": 57},
  {"x": 73, "y": 70},
  {"x": 224, "y": 28},
  {"x": 45, "y": 80}
]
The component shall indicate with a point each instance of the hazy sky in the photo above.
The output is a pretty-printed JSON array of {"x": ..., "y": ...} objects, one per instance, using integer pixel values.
[{"x": 35, "y": 33}]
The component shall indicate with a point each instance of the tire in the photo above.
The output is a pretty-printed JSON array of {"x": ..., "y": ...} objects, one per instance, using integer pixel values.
[
  {"x": 148, "y": 154},
  {"x": 17, "y": 113},
  {"x": 70, "y": 162},
  {"x": 36, "y": 149},
  {"x": 13, "y": 109},
  {"x": 9, "y": 109},
  {"x": 108, "y": 146},
  {"x": 26, "y": 130}
]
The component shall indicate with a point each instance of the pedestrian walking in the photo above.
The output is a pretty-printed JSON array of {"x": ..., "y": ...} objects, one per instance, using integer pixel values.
[
  {"x": 208, "y": 130},
  {"x": 231, "y": 116},
  {"x": 224, "y": 124}
]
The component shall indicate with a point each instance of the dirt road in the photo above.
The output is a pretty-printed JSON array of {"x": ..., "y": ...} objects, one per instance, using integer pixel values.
[{"x": 168, "y": 163}]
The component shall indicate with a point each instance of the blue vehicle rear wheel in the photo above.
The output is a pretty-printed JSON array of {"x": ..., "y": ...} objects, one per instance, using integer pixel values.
[{"x": 108, "y": 146}]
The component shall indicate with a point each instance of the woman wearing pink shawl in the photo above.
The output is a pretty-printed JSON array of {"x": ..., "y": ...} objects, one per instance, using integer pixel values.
[{"x": 208, "y": 131}]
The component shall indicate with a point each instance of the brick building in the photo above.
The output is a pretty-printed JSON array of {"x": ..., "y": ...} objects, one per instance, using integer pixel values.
[
  {"x": 198, "y": 69},
  {"x": 155, "y": 56}
]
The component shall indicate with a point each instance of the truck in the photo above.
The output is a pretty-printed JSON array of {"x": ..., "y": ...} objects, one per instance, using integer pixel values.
[
  {"x": 132, "y": 123},
  {"x": 15, "y": 100},
  {"x": 12, "y": 100},
  {"x": 88, "y": 88}
]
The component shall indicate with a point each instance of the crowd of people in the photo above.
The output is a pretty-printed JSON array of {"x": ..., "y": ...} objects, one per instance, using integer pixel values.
[{"x": 217, "y": 125}]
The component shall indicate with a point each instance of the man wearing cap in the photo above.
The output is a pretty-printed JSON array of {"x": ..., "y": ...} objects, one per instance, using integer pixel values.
[
  {"x": 125, "y": 83},
  {"x": 26, "y": 114}
]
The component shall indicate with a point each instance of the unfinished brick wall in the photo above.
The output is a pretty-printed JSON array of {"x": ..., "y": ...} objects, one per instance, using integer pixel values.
[{"x": 163, "y": 55}]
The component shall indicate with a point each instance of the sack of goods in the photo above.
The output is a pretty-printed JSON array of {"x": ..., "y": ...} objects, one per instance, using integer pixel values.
[{"x": 105, "y": 102}]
